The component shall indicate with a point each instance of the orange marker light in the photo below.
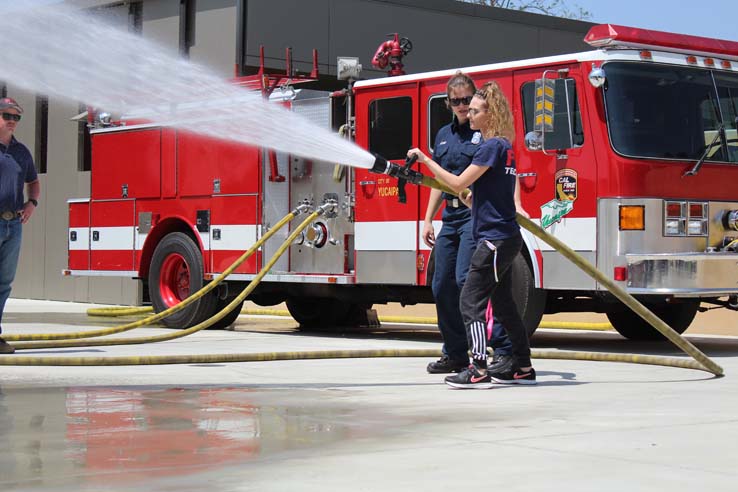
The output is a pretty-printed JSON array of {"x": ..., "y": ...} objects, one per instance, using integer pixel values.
[
  {"x": 632, "y": 217},
  {"x": 646, "y": 55}
]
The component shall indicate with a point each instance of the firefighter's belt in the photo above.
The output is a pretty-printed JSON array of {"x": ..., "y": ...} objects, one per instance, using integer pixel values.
[{"x": 8, "y": 215}]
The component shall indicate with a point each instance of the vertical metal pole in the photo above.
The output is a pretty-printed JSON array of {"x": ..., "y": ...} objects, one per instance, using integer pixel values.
[{"x": 242, "y": 8}]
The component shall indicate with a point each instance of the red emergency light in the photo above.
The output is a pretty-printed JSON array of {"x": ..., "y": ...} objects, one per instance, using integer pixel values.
[{"x": 609, "y": 35}]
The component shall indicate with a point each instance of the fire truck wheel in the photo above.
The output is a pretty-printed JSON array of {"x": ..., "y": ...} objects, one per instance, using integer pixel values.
[
  {"x": 357, "y": 315},
  {"x": 320, "y": 313},
  {"x": 678, "y": 315},
  {"x": 229, "y": 318},
  {"x": 176, "y": 272},
  {"x": 531, "y": 301}
]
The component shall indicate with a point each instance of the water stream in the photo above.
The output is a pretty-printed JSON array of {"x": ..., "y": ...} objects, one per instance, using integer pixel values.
[{"x": 63, "y": 52}]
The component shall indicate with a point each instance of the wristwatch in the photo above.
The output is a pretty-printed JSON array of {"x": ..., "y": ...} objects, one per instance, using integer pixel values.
[{"x": 34, "y": 201}]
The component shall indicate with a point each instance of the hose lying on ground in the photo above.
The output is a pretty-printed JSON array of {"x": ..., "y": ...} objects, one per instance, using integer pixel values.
[
  {"x": 181, "y": 333},
  {"x": 702, "y": 362},
  {"x": 156, "y": 317}
]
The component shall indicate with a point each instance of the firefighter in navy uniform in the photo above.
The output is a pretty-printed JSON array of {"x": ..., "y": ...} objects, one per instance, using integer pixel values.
[
  {"x": 454, "y": 148},
  {"x": 16, "y": 169}
]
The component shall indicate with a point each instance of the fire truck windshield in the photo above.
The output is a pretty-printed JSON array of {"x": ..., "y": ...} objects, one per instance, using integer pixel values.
[{"x": 672, "y": 112}]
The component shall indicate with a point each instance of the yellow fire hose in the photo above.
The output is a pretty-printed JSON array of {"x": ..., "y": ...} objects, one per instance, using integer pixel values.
[
  {"x": 111, "y": 312},
  {"x": 701, "y": 362},
  {"x": 151, "y": 319},
  {"x": 182, "y": 333}
]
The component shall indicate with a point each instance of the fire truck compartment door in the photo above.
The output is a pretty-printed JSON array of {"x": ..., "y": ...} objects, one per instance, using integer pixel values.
[
  {"x": 127, "y": 164},
  {"x": 206, "y": 166},
  {"x": 387, "y": 217},
  {"x": 79, "y": 235},
  {"x": 233, "y": 230},
  {"x": 112, "y": 235}
]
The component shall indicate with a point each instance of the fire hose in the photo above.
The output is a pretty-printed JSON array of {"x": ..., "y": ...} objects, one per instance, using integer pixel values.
[
  {"x": 120, "y": 311},
  {"x": 701, "y": 362}
]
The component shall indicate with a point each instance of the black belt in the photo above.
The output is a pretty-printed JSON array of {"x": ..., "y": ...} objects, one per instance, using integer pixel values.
[
  {"x": 454, "y": 203},
  {"x": 9, "y": 215}
]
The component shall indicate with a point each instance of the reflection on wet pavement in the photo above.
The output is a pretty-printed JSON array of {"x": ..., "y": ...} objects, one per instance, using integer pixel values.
[{"x": 95, "y": 438}]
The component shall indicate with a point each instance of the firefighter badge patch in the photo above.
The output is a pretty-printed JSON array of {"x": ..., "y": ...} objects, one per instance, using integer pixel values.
[{"x": 566, "y": 184}]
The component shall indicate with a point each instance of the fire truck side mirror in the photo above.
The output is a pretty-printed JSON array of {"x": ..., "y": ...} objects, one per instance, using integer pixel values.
[{"x": 533, "y": 141}]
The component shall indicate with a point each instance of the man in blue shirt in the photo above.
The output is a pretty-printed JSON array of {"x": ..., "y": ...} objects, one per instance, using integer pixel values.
[{"x": 16, "y": 169}]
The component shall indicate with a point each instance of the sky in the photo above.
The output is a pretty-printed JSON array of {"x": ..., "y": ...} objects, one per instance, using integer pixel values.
[{"x": 708, "y": 18}]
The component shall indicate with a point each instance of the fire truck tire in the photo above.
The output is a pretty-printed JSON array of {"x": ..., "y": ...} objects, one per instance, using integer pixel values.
[
  {"x": 678, "y": 316},
  {"x": 531, "y": 301},
  {"x": 317, "y": 312},
  {"x": 356, "y": 315},
  {"x": 229, "y": 318},
  {"x": 177, "y": 272}
]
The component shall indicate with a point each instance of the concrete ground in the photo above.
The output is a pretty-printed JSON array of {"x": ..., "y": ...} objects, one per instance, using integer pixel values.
[{"x": 358, "y": 424}]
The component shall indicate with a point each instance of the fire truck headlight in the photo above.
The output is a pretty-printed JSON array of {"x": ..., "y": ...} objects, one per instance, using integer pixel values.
[
  {"x": 597, "y": 77},
  {"x": 697, "y": 227},
  {"x": 674, "y": 227}
]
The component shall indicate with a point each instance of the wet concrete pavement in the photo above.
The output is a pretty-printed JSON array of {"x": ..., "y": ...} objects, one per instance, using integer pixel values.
[{"x": 360, "y": 424}]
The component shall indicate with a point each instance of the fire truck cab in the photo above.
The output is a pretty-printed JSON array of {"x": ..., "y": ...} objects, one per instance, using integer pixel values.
[{"x": 624, "y": 152}]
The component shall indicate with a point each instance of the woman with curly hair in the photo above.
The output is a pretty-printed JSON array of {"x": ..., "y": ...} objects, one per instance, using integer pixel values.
[
  {"x": 492, "y": 179},
  {"x": 455, "y": 145}
]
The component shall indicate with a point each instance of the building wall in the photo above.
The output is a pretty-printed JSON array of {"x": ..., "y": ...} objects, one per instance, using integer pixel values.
[{"x": 445, "y": 34}]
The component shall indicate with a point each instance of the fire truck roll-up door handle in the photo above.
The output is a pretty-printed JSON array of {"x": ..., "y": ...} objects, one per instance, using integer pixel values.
[{"x": 528, "y": 181}]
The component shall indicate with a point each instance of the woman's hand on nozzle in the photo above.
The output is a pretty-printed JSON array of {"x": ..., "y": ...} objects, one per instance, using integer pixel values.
[{"x": 421, "y": 156}]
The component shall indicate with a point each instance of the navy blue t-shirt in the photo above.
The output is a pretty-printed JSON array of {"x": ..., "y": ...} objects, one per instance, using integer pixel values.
[
  {"x": 493, "y": 194},
  {"x": 16, "y": 168},
  {"x": 455, "y": 147}
]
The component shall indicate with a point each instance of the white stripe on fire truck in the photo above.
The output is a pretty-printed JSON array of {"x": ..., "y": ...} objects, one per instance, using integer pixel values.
[
  {"x": 579, "y": 233},
  {"x": 112, "y": 238},
  {"x": 233, "y": 237},
  {"x": 386, "y": 236},
  {"x": 83, "y": 238}
]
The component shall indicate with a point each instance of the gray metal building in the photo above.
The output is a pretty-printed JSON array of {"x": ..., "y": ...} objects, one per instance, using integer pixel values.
[{"x": 225, "y": 35}]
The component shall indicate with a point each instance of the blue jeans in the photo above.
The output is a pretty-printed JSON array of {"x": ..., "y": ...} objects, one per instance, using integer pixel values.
[
  {"x": 11, "y": 232},
  {"x": 452, "y": 252}
]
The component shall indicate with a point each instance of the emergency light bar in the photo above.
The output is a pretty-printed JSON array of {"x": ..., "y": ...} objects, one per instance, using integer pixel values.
[{"x": 610, "y": 35}]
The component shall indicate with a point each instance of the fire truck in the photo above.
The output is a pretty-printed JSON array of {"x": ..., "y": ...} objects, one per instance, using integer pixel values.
[{"x": 625, "y": 152}]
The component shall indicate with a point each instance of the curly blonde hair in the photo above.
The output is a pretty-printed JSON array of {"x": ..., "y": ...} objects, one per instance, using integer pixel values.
[{"x": 499, "y": 121}]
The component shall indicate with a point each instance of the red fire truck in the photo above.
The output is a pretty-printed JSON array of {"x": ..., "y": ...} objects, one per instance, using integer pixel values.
[{"x": 626, "y": 153}]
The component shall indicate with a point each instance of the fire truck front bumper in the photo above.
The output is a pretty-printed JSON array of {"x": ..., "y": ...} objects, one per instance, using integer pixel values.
[{"x": 683, "y": 274}]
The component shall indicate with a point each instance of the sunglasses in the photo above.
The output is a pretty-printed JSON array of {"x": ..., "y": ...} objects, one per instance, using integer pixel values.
[
  {"x": 11, "y": 117},
  {"x": 473, "y": 111},
  {"x": 455, "y": 101}
]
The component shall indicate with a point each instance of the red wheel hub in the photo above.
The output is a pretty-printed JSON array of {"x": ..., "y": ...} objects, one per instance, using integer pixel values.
[{"x": 174, "y": 280}]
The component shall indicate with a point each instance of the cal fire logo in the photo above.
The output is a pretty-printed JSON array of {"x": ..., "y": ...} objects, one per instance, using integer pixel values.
[
  {"x": 565, "y": 181},
  {"x": 566, "y": 184}
]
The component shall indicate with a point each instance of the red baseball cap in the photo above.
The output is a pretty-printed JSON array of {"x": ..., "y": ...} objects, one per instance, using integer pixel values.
[{"x": 10, "y": 103}]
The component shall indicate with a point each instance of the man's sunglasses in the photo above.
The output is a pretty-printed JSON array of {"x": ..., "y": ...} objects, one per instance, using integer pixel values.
[
  {"x": 11, "y": 117},
  {"x": 455, "y": 101}
]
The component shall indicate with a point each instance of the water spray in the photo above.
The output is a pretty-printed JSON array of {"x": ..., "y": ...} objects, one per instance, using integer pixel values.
[{"x": 62, "y": 52}]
